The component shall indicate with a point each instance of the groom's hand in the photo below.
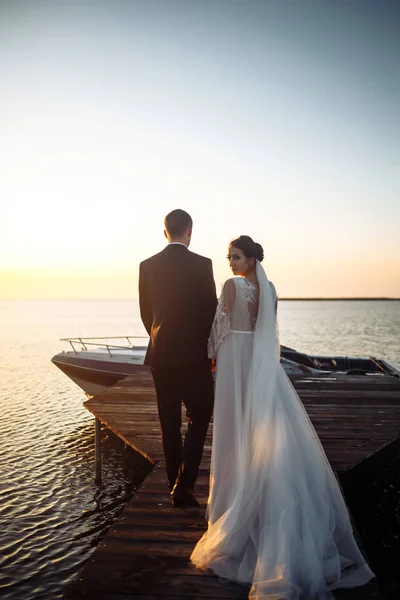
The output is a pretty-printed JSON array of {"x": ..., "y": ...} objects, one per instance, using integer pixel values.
[{"x": 213, "y": 365}]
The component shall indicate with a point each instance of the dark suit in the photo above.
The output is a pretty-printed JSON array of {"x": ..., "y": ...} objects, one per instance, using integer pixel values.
[{"x": 177, "y": 305}]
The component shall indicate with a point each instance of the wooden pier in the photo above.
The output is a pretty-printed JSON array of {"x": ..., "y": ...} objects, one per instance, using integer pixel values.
[{"x": 145, "y": 554}]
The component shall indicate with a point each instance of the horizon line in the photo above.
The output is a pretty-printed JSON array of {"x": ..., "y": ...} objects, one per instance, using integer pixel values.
[{"x": 284, "y": 299}]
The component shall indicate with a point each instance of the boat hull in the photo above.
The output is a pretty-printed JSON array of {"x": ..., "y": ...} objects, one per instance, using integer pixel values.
[{"x": 94, "y": 376}]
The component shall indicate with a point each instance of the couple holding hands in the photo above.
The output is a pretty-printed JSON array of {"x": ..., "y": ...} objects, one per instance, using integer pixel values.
[{"x": 276, "y": 517}]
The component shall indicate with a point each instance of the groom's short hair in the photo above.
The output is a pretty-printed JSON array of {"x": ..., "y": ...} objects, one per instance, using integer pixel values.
[{"x": 177, "y": 222}]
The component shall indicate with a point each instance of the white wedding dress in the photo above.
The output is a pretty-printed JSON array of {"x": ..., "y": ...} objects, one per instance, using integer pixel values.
[{"x": 276, "y": 516}]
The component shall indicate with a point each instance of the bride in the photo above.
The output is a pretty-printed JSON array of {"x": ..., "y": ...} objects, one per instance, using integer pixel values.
[{"x": 276, "y": 517}]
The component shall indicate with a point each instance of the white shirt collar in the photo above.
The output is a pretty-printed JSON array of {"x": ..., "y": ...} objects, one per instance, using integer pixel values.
[{"x": 177, "y": 243}]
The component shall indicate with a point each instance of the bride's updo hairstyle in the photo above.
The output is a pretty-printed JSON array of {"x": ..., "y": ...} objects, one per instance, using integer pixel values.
[{"x": 248, "y": 246}]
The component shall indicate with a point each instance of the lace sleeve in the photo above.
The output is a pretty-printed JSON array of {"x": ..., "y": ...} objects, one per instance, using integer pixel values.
[{"x": 222, "y": 320}]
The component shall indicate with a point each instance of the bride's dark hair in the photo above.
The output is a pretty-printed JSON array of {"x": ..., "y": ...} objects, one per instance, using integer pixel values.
[{"x": 248, "y": 246}]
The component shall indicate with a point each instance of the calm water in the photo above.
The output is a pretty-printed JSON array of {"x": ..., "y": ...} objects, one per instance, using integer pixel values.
[{"x": 52, "y": 515}]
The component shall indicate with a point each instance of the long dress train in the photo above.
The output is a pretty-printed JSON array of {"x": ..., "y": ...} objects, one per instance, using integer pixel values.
[{"x": 276, "y": 516}]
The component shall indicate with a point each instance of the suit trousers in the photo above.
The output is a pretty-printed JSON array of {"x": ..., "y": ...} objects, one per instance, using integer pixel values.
[{"x": 194, "y": 387}]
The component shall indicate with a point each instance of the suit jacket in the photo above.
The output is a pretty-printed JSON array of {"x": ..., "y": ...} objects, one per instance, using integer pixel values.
[{"x": 177, "y": 300}]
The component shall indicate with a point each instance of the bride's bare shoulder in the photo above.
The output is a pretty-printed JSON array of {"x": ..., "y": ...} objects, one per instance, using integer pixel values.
[
  {"x": 228, "y": 292},
  {"x": 231, "y": 280},
  {"x": 231, "y": 283}
]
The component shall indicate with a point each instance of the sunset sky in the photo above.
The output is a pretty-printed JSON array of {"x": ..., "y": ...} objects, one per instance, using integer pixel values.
[{"x": 278, "y": 119}]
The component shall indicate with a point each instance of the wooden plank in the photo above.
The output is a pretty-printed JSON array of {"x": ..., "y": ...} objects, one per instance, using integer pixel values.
[
  {"x": 133, "y": 416},
  {"x": 146, "y": 552}
]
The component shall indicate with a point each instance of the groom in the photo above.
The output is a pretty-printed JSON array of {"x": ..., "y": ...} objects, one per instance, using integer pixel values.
[{"x": 177, "y": 304}]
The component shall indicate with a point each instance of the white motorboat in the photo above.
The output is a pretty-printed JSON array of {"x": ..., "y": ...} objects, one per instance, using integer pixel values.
[{"x": 96, "y": 364}]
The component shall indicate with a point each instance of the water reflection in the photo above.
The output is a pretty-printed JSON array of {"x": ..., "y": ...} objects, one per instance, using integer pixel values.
[{"x": 59, "y": 514}]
